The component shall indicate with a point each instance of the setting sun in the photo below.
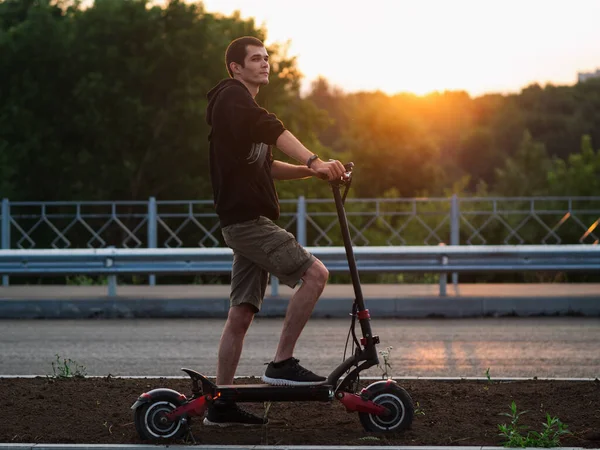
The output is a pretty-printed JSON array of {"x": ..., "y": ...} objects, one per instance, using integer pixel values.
[{"x": 399, "y": 46}]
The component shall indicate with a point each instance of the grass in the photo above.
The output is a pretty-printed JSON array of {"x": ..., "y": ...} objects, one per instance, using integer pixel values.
[{"x": 550, "y": 435}]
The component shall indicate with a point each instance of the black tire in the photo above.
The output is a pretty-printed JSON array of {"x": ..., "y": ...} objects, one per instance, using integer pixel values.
[
  {"x": 397, "y": 400},
  {"x": 148, "y": 418}
]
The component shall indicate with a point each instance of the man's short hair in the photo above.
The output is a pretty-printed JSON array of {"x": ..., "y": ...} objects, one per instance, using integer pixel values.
[{"x": 236, "y": 51}]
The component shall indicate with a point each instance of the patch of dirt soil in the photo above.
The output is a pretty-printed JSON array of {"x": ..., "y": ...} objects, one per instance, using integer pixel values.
[{"x": 97, "y": 410}]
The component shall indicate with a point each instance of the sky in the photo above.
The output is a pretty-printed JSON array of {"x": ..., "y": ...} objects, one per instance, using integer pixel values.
[{"x": 420, "y": 46}]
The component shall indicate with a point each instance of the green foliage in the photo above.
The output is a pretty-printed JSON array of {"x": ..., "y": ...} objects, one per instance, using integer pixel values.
[
  {"x": 109, "y": 103},
  {"x": 580, "y": 173},
  {"x": 525, "y": 173},
  {"x": 106, "y": 101},
  {"x": 67, "y": 368},
  {"x": 454, "y": 137},
  {"x": 391, "y": 148},
  {"x": 84, "y": 280},
  {"x": 552, "y": 430}
]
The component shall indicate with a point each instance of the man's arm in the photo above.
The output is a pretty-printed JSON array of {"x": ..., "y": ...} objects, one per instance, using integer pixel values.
[
  {"x": 292, "y": 147},
  {"x": 283, "y": 171},
  {"x": 255, "y": 123}
]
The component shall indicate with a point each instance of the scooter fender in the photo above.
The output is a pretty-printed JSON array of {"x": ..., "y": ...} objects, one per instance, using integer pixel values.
[
  {"x": 147, "y": 397},
  {"x": 376, "y": 387}
]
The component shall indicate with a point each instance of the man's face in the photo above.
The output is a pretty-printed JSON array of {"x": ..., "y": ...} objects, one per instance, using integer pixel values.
[{"x": 256, "y": 66}]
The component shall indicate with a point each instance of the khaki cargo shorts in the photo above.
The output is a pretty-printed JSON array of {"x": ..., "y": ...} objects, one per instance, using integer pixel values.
[{"x": 261, "y": 247}]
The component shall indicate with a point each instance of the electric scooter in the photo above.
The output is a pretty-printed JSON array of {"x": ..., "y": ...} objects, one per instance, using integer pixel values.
[{"x": 383, "y": 406}]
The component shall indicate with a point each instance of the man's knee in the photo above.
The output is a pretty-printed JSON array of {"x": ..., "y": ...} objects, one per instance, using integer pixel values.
[
  {"x": 317, "y": 274},
  {"x": 240, "y": 317}
]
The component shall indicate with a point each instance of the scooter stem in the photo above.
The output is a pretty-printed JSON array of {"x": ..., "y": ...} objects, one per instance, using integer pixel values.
[{"x": 360, "y": 303}]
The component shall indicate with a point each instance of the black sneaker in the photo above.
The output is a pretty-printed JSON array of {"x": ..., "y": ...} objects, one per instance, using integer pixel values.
[
  {"x": 230, "y": 414},
  {"x": 290, "y": 373}
]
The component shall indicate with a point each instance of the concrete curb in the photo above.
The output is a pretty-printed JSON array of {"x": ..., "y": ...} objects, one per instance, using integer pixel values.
[
  {"x": 239, "y": 447},
  {"x": 452, "y": 307},
  {"x": 441, "y": 379}
]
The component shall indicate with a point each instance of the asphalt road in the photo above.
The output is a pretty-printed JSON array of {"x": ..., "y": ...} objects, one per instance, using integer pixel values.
[{"x": 509, "y": 347}]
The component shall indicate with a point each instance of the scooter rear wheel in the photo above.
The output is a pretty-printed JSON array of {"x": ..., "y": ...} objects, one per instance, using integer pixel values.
[
  {"x": 396, "y": 400},
  {"x": 150, "y": 420}
]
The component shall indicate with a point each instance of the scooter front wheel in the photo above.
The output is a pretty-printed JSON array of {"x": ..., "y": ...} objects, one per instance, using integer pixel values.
[
  {"x": 151, "y": 422},
  {"x": 396, "y": 400}
]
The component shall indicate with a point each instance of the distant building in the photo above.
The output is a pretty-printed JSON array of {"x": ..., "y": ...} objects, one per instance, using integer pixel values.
[{"x": 583, "y": 76}]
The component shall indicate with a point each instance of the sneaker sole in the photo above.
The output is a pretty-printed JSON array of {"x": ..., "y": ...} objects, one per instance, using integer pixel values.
[
  {"x": 282, "y": 382},
  {"x": 230, "y": 424}
]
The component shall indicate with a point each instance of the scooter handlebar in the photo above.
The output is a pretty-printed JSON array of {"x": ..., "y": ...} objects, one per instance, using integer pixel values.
[{"x": 345, "y": 180}]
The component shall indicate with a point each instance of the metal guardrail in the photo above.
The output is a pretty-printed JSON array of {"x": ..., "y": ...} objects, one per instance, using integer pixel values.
[
  {"x": 423, "y": 259},
  {"x": 373, "y": 222}
]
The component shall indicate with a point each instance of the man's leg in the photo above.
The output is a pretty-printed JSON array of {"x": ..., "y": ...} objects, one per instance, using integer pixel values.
[
  {"x": 275, "y": 250},
  {"x": 232, "y": 341},
  {"x": 300, "y": 308},
  {"x": 226, "y": 413},
  {"x": 248, "y": 287}
]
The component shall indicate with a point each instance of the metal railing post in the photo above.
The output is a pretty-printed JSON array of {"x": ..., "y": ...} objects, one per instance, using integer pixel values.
[
  {"x": 443, "y": 275},
  {"x": 152, "y": 232},
  {"x": 300, "y": 237},
  {"x": 274, "y": 286},
  {"x": 455, "y": 230},
  {"x": 112, "y": 279},
  {"x": 5, "y": 232},
  {"x": 301, "y": 220},
  {"x": 443, "y": 284}
]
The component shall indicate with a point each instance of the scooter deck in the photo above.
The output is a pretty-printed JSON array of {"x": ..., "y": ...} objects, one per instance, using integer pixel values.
[
  {"x": 265, "y": 385},
  {"x": 263, "y": 392},
  {"x": 266, "y": 392}
]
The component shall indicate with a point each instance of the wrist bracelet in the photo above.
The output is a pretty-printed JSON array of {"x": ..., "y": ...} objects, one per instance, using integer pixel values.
[{"x": 310, "y": 160}]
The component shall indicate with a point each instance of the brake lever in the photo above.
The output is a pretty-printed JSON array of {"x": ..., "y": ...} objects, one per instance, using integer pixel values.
[
  {"x": 348, "y": 183},
  {"x": 348, "y": 173},
  {"x": 344, "y": 181}
]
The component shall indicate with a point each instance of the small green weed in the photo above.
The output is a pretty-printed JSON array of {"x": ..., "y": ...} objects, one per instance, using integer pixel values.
[
  {"x": 418, "y": 410},
  {"x": 368, "y": 438},
  {"x": 67, "y": 368},
  {"x": 386, "y": 363},
  {"x": 552, "y": 430},
  {"x": 489, "y": 380}
]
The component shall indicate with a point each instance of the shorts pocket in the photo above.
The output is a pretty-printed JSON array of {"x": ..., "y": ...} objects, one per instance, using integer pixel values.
[
  {"x": 282, "y": 252},
  {"x": 275, "y": 240}
]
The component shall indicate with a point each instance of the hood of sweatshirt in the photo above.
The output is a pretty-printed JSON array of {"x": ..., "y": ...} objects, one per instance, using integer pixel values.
[{"x": 214, "y": 93}]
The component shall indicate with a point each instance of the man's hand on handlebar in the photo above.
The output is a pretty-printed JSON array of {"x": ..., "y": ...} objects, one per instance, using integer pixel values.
[{"x": 330, "y": 170}]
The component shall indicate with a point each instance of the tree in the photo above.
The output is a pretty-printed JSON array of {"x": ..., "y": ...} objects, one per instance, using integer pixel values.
[
  {"x": 579, "y": 175},
  {"x": 108, "y": 102},
  {"x": 526, "y": 173},
  {"x": 391, "y": 148}
]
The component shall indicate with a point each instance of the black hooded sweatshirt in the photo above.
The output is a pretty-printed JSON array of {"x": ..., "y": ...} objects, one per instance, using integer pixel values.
[{"x": 240, "y": 154}]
